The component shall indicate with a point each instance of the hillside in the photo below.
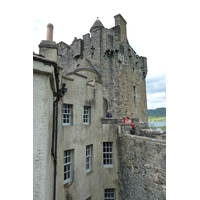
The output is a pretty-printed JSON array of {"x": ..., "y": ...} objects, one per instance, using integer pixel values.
[{"x": 158, "y": 112}]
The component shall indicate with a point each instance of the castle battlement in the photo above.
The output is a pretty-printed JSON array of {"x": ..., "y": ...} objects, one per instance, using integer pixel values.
[{"x": 118, "y": 66}]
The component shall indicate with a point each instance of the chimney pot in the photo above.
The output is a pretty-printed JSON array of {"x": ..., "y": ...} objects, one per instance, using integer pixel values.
[{"x": 49, "y": 32}]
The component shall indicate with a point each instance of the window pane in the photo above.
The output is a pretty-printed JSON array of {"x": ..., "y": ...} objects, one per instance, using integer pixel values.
[
  {"x": 87, "y": 166},
  {"x": 65, "y": 177},
  {"x": 68, "y": 174},
  {"x": 68, "y": 167}
]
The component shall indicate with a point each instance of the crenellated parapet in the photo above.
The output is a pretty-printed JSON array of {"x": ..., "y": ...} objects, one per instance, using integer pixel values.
[
  {"x": 143, "y": 61},
  {"x": 120, "y": 69},
  {"x": 77, "y": 48}
]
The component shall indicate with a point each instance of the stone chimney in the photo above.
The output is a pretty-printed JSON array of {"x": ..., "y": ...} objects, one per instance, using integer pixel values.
[
  {"x": 48, "y": 48},
  {"x": 119, "y": 20}
]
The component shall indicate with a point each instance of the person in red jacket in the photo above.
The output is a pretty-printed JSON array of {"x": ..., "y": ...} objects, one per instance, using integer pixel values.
[{"x": 128, "y": 121}]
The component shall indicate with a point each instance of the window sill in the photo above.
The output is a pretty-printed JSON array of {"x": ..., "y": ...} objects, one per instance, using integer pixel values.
[
  {"x": 67, "y": 125},
  {"x": 108, "y": 166},
  {"x": 67, "y": 183},
  {"x": 88, "y": 173}
]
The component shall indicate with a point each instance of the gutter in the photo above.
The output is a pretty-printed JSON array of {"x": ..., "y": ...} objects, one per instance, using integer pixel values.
[{"x": 59, "y": 94}]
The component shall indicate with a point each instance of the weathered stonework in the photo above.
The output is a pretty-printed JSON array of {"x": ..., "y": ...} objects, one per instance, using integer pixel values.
[
  {"x": 142, "y": 167},
  {"x": 117, "y": 65}
]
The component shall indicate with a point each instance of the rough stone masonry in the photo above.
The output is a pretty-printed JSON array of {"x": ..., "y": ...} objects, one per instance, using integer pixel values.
[
  {"x": 142, "y": 167},
  {"x": 107, "y": 53}
]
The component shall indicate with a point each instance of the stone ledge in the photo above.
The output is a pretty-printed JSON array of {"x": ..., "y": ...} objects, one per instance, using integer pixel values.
[
  {"x": 147, "y": 139},
  {"x": 110, "y": 120},
  {"x": 48, "y": 44}
]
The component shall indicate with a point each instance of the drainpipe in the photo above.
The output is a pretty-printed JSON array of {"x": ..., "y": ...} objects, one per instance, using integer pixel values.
[
  {"x": 55, "y": 106},
  {"x": 59, "y": 94},
  {"x": 53, "y": 130}
]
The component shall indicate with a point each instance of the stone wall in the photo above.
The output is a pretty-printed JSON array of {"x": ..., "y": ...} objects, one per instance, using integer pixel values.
[
  {"x": 142, "y": 167},
  {"x": 121, "y": 70}
]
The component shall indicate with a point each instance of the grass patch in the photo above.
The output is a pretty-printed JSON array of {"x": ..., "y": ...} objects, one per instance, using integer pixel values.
[
  {"x": 163, "y": 128},
  {"x": 156, "y": 119},
  {"x": 152, "y": 126}
]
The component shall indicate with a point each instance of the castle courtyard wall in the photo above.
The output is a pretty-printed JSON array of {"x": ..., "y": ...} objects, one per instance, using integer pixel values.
[{"x": 142, "y": 167}]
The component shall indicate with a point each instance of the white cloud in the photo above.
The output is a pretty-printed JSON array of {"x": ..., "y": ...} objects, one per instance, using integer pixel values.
[{"x": 156, "y": 100}]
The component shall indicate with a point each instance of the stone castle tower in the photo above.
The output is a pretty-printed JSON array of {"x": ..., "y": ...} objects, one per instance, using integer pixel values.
[
  {"x": 78, "y": 153},
  {"x": 107, "y": 53}
]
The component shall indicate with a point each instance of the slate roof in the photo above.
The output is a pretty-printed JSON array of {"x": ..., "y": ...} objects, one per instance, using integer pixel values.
[
  {"x": 87, "y": 66},
  {"x": 97, "y": 25}
]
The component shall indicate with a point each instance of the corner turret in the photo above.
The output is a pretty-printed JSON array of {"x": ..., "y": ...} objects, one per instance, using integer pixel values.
[{"x": 96, "y": 26}]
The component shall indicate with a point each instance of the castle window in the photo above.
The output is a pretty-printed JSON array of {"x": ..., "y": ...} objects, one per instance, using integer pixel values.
[
  {"x": 88, "y": 158},
  {"x": 134, "y": 91},
  {"x": 109, "y": 194},
  {"x": 67, "y": 114},
  {"x": 134, "y": 95},
  {"x": 67, "y": 166},
  {"x": 86, "y": 115},
  {"x": 108, "y": 154}
]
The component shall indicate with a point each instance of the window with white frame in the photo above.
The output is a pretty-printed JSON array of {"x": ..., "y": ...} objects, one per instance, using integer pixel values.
[
  {"x": 67, "y": 166},
  {"x": 108, "y": 154},
  {"x": 109, "y": 194},
  {"x": 67, "y": 114},
  {"x": 86, "y": 115},
  {"x": 88, "y": 158}
]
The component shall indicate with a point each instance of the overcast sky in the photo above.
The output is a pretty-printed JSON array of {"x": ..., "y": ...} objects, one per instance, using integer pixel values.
[
  {"x": 150, "y": 25},
  {"x": 145, "y": 31}
]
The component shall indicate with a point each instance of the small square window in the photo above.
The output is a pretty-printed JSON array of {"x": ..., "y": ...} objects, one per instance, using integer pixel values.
[{"x": 109, "y": 194}]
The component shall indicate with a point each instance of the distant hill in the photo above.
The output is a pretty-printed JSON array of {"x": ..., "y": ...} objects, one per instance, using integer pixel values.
[{"x": 158, "y": 112}]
